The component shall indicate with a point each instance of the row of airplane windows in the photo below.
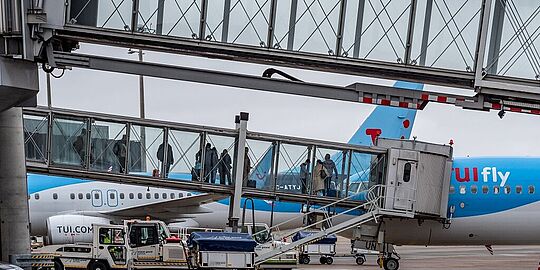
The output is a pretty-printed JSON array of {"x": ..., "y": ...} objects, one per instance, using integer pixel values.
[
  {"x": 112, "y": 196},
  {"x": 496, "y": 189}
]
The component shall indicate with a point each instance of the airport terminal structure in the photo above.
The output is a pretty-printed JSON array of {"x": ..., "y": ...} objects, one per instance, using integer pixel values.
[{"x": 103, "y": 191}]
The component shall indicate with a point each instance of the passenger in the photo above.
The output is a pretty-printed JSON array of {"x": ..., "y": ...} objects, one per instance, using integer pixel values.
[
  {"x": 330, "y": 167},
  {"x": 247, "y": 170},
  {"x": 214, "y": 158},
  {"x": 304, "y": 175},
  {"x": 80, "y": 146},
  {"x": 170, "y": 157},
  {"x": 120, "y": 151},
  {"x": 225, "y": 166},
  {"x": 319, "y": 176}
]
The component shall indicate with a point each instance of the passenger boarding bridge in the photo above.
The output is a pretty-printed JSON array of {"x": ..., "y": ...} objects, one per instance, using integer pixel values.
[
  {"x": 488, "y": 47},
  {"x": 89, "y": 145}
]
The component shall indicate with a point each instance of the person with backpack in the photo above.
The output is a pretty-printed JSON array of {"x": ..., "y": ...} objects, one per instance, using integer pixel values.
[{"x": 319, "y": 176}]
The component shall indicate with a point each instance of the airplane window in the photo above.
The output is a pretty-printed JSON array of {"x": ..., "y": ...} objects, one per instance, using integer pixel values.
[
  {"x": 180, "y": 195},
  {"x": 81, "y": 196},
  {"x": 474, "y": 189},
  {"x": 36, "y": 196},
  {"x": 111, "y": 195},
  {"x": 531, "y": 189},
  {"x": 507, "y": 190},
  {"x": 55, "y": 196},
  {"x": 131, "y": 196},
  {"x": 88, "y": 196},
  {"x": 139, "y": 196},
  {"x": 462, "y": 189},
  {"x": 96, "y": 196},
  {"x": 148, "y": 196},
  {"x": 519, "y": 189},
  {"x": 485, "y": 189},
  {"x": 172, "y": 195},
  {"x": 495, "y": 190},
  {"x": 189, "y": 194},
  {"x": 164, "y": 196},
  {"x": 122, "y": 196},
  {"x": 452, "y": 190},
  {"x": 72, "y": 196},
  {"x": 156, "y": 196}
]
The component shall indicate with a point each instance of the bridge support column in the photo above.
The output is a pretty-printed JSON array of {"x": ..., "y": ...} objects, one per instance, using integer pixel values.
[
  {"x": 236, "y": 199},
  {"x": 14, "y": 217}
]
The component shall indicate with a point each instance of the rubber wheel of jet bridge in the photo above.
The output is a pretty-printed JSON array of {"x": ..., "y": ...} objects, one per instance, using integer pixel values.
[
  {"x": 304, "y": 260},
  {"x": 329, "y": 260},
  {"x": 98, "y": 266},
  {"x": 360, "y": 260},
  {"x": 391, "y": 264}
]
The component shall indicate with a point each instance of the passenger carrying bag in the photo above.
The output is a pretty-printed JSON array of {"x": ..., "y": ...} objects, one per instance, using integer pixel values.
[{"x": 252, "y": 183}]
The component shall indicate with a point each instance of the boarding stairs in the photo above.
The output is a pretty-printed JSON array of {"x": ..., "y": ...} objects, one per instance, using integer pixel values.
[{"x": 371, "y": 211}]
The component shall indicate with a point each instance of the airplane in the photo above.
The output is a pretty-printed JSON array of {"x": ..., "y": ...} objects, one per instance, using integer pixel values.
[{"x": 65, "y": 208}]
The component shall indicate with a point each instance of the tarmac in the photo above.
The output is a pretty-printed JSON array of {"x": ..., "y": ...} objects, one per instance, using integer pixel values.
[{"x": 457, "y": 257}]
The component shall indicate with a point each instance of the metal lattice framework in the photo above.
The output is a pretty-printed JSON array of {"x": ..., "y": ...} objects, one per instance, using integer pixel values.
[{"x": 451, "y": 35}]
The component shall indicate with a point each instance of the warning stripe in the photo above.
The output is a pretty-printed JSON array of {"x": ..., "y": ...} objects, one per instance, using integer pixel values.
[{"x": 498, "y": 106}]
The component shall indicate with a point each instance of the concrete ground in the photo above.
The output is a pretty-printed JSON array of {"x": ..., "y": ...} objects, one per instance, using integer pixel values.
[{"x": 463, "y": 258}]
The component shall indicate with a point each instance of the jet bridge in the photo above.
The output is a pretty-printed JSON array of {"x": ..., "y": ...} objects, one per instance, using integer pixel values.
[{"x": 412, "y": 183}]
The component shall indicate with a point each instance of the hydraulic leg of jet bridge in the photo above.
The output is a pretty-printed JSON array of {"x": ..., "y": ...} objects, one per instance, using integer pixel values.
[
  {"x": 234, "y": 206},
  {"x": 14, "y": 221}
]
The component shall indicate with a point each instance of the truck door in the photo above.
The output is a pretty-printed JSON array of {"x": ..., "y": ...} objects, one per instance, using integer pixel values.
[
  {"x": 111, "y": 246},
  {"x": 144, "y": 242},
  {"x": 405, "y": 185}
]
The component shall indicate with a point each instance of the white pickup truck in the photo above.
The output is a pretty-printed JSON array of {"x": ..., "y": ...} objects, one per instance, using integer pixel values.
[{"x": 135, "y": 245}]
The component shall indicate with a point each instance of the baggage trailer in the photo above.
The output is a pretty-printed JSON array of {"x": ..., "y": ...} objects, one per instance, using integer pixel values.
[
  {"x": 325, "y": 248},
  {"x": 134, "y": 245},
  {"x": 221, "y": 250}
]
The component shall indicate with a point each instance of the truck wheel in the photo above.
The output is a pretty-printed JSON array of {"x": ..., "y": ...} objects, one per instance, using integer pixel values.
[
  {"x": 360, "y": 260},
  {"x": 329, "y": 260},
  {"x": 322, "y": 260},
  {"x": 304, "y": 260},
  {"x": 98, "y": 266},
  {"x": 58, "y": 265},
  {"x": 391, "y": 264}
]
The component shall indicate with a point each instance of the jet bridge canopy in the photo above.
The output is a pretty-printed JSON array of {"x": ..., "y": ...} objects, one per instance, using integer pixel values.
[{"x": 417, "y": 177}]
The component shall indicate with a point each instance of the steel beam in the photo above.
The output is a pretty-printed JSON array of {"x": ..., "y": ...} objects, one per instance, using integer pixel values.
[
  {"x": 425, "y": 32},
  {"x": 341, "y": 26},
  {"x": 292, "y": 25},
  {"x": 358, "y": 32},
  {"x": 481, "y": 45},
  {"x": 410, "y": 32},
  {"x": 202, "y": 22},
  {"x": 496, "y": 36},
  {"x": 160, "y": 10},
  {"x": 271, "y": 24},
  {"x": 225, "y": 23}
]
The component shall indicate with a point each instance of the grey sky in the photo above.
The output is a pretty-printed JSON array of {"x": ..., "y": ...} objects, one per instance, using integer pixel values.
[{"x": 475, "y": 133}]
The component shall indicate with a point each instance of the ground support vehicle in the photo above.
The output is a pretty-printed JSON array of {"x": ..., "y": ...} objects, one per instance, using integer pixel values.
[
  {"x": 135, "y": 245},
  {"x": 221, "y": 250},
  {"x": 325, "y": 248},
  {"x": 267, "y": 242}
]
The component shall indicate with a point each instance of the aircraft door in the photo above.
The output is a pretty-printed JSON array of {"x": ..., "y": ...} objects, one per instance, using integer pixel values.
[
  {"x": 112, "y": 198},
  {"x": 96, "y": 198},
  {"x": 405, "y": 187}
]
